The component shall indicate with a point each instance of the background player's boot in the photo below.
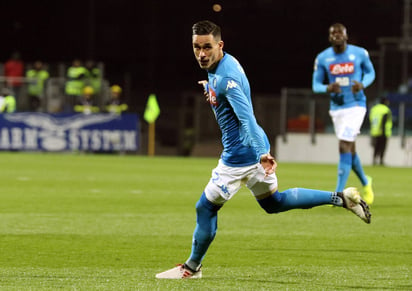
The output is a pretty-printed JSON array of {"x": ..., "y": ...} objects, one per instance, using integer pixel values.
[
  {"x": 181, "y": 271},
  {"x": 353, "y": 202},
  {"x": 368, "y": 191}
]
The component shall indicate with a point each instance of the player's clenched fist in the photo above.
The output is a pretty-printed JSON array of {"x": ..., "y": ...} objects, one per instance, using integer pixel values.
[{"x": 268, "y": 163}]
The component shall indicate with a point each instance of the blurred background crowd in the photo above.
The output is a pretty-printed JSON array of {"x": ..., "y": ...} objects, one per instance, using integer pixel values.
[{"x": 109, "y": 56}]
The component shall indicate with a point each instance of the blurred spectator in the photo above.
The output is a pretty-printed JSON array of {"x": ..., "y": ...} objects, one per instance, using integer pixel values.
[
  {"x": 76, "y": 74},
  {"x": 93, "y": 76},
  {"x": 86, "y": 103},
  {"x": 36, "y": 78},
  {"x": 115, "y": 104},
  {"x": 7, "y": 101},
  {"x": 380, "y": 117},
  {"x": 14, "y": 72}
]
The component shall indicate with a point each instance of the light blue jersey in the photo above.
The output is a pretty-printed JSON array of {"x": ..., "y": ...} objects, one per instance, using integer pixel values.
[
  {"x": 244, "y": 141},
  {"x": 343, "y": 68}
]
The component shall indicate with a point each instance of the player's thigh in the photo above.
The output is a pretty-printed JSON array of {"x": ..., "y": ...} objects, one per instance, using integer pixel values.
[
  {"x": 347, "y": 122},
  {"x": 262, "y": 185},
  {"x": 224, "y": 183}
]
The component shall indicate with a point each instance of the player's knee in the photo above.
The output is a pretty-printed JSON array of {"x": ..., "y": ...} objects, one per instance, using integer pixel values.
[
  {"x": 207, "y": 217},
  {"x": 271, "y": 209},
  {"x": 272, "y": 204},
  {"x": 205, "y": 205}
]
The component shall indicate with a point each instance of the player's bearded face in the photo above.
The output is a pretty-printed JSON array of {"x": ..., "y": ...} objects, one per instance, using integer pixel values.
[{"x": 207, "y": 50}]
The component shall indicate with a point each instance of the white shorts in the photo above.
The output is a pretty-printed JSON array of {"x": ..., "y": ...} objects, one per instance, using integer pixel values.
[
  {"x": 347, "y": 122},
  {"x": 226, "y": 181}
]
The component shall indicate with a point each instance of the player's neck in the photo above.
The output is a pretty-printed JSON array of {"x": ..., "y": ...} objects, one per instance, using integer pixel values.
[
  {"x": 340, "y": 48},
  {"x": 218, "y": 60}
]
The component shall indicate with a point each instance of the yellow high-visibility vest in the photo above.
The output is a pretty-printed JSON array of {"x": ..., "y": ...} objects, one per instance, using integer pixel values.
[
  {"x": 75, "y": 82},
  {"x": 8, "y": 104},
  {"x": 36, "y": 81},
  {"x": 376, "y": 115}
]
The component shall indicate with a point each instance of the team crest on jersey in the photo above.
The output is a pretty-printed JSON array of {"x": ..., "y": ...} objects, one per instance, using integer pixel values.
[
  {"x": 231, "y": 84},
  {"x": 342, "y": 68}
]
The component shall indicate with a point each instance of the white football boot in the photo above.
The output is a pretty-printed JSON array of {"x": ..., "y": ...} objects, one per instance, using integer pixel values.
[
  {"x": 353, "y": 202},
  {"x": 181, "y": 271}
]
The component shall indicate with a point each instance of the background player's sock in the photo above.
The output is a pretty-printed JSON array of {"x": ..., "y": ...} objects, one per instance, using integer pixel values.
[
  {"x": 344, "y": 168},
  {"x": 357, "y": 168}
]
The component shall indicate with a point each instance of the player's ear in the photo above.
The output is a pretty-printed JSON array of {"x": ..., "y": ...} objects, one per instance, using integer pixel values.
[{"x": 221, "y": 44}]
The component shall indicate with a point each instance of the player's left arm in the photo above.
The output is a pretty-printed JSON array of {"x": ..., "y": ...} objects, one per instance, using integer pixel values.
[
  {"x": 244, "y": 112},
  {"x": 368, "y": 70}
]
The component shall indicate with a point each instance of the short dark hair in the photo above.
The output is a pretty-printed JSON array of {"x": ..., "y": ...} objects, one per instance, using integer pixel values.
[
  {"x": 206, "y": 27},
  {"x": 338, "y": 25}
]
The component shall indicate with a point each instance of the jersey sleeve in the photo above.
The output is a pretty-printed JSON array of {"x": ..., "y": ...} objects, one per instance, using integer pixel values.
[
  {"x": 318, "y": 78},
  {"x": 368, "y": 70},
  {"x": 243, "y": 110}
]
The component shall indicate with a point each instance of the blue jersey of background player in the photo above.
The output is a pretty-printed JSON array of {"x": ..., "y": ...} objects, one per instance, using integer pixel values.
[
  {"x": 343, "y": 71},
  {"x": 244, "y": 141}
]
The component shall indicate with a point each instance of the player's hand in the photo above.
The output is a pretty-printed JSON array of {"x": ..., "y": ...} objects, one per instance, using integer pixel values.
[
  {"x": 268, "y": 163},
  {"x": 333, "y": 88},
  {"x": 205, "y": 83},
  {"x": 357, "y": 86}
]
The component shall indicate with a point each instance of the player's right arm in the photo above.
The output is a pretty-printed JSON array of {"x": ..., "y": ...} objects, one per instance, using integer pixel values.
[
  {"x": 319, "y": 77},
  {"x": 269, "y": 163},
  {"x": 205, "y": 85},
  {"x": 368, "y": 70}
]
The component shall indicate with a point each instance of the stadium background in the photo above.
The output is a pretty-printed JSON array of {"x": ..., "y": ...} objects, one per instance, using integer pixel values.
[
  {"x": 145, "y": 45},
  {"x": 275, "y": 40}
]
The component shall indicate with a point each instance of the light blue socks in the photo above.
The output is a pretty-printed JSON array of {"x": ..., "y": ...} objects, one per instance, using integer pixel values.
[
  {"x": 205, "y": 231},
  {"x": 298, "y": 198},
  {"x": 344, "y": 168}
]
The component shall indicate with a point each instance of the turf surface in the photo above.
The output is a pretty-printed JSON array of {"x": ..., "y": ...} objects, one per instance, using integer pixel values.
[{"x": 101, "y": 222}]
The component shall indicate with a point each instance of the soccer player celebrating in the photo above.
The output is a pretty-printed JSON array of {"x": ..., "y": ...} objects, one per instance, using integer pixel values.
[
  {"x": 245, "y": 158},
  {"x": 348, "y": 70}
]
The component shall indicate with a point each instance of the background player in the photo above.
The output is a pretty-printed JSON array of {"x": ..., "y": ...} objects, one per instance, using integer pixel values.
[{"x": 348, "y": 70}]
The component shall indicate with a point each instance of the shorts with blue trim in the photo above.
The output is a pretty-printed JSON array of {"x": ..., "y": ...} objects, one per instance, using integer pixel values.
[
  {"x": 226, "y": 182},
  {"x": 347, "y": 122}
]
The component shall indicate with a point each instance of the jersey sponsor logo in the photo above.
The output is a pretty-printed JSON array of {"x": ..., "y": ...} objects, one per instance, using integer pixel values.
[
  {"x": 231, "y": 84},
  {"x": 343, "y": 81},
  {"x": 342, "y": 68},
  {"x": 212, "y": 97}
]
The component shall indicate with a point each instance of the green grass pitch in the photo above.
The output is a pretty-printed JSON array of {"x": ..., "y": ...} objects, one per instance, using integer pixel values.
[{"x": 109, "y": 222}]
